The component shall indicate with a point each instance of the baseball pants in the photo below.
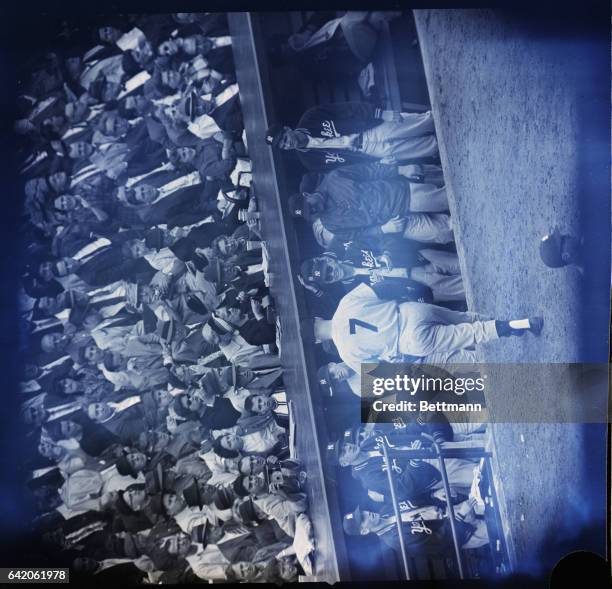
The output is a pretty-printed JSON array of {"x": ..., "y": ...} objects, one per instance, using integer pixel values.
[
  {"x": 432, "y": 173},
  {"x": 460, "y": 472},
  {"x": 457, "y": 357},
  {"x": 428, "y": 198},
  {"x": 411, "y": 139},
  {"x": 427, "y": 329},
  {"x": 429, "y": 228},
  {"x": 442, "y": 275}
]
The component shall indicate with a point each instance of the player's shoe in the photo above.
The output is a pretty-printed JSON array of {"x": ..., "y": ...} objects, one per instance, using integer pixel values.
[
  {"x": 518, "y": 327},
  {"x": 536, "y": 324}
]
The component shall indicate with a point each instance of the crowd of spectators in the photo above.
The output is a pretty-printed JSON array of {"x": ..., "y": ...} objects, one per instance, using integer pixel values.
[{"x": 153, "y": 394}]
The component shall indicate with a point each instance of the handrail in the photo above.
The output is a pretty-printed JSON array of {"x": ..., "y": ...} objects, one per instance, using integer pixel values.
[
  {"x": 450, "y": 509},
  {"x": 398, "y": 516},
  {"x": 441, "y": 454}
]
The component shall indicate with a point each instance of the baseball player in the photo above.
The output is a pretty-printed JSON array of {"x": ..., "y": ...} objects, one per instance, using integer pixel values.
[
  {"x": 334, "y": 135},
  {"x": 366, "y": 328},
  {"x": 426, "y": 530},
  {"x": 388, "y": 276},
  {"x": 373, "y": 200},
  {"x": 415, "y": 479}
]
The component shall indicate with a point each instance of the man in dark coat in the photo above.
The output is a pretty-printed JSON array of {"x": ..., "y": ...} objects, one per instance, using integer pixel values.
[
  {"x": 371, "y": 198},
  {"x": 415, "y": 479},
  {"x": 421, "y": 535}
]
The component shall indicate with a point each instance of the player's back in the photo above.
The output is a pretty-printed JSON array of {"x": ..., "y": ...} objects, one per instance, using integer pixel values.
[{"x": 365, "y": 328}]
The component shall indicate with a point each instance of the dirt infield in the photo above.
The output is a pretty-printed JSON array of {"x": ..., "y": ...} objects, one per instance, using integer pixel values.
[{"x": 510, "y": 104}]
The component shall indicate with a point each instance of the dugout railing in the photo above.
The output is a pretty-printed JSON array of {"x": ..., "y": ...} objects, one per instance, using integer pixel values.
[{"x": 498, "y": 555}]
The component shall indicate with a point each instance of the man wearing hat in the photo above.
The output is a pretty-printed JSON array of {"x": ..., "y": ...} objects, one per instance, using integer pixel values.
[
  {"x": 181, "y": 201},
  {"x": 558, "y": 249},
  {"x": 234, "y": 347},
  {"x": 199, "y": 509},
  {"x": 426, "y": 530},
  {"x": 415, "y": 479},
  {"x": 222, "y": 105},
  {"x": 372, "y": 200},
  {"x": 198, "y": 494},
  {"x": 365, "y": 328},
  {"x": 393, "y": 267},
  {"x": 336, "y": 378},
  {"x": 333, "y": 135}
]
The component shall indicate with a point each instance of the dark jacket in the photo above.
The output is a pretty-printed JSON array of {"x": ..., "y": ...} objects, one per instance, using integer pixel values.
[
  {"x": 364, "y": 197},
  {"x": 333, "y": 120},
  {"x": 414, "y": 478}
]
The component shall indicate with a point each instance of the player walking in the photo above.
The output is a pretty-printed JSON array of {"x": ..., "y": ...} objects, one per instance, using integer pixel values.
[{"x": 365, "y": 328}]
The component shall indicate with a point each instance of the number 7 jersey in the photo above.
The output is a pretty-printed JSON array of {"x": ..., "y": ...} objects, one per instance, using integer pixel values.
[{"x": 366, "y": 328}]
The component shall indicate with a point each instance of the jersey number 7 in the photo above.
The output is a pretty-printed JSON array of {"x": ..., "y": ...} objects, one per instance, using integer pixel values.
[{"x": 354, "y": 323}]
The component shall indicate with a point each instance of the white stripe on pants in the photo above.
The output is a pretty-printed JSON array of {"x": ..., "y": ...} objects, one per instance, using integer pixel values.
[
  {"x": 429, "y": 228},
  {"x": 426, "y": 329}
]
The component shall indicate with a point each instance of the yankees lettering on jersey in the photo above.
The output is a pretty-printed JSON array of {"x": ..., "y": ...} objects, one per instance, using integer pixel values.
[
  {"x": 328, "y": 129},
  {"x": 419, "y": 527},
  {"x": 366, "y": 328},
  {"x": 369, "y": 259},
  {"x": 333, "y": 158}
]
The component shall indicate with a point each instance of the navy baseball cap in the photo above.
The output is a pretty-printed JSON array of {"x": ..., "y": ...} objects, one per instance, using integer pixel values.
[
  {"x": 326, "y": 383},
  {"x": 298, "y": 207},
  {"x": 312, "y": 270},
  {"x": 335, "y": 448},
  {"x": 550, "y": 249},
  {"x": 274, "y": 135}
]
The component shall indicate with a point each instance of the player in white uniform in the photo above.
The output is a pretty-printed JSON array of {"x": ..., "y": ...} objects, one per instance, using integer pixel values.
[{"x": 365, "y": 328}]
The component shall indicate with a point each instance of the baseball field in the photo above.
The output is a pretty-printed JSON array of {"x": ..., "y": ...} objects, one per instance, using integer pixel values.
[{"x": 521, "y": 106}]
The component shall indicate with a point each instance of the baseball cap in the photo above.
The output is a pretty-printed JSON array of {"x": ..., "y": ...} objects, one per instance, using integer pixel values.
[
  {"x": 334, "y": 448},
  {"x": 550, "y": 249},
  {"x": 352, "y": 522},
  {"x": 298, "y": 207},
  {"x": 274, "y": 134},
  {"x": 312, "y": 270},
  {"x": 326, "y": 383}
]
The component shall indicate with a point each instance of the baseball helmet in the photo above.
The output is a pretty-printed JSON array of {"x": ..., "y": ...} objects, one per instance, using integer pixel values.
[{"x": 550, "y": 249}]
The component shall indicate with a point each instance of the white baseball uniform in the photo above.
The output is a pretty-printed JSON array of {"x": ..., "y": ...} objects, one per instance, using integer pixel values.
[{"x": 368, "y": 329}]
